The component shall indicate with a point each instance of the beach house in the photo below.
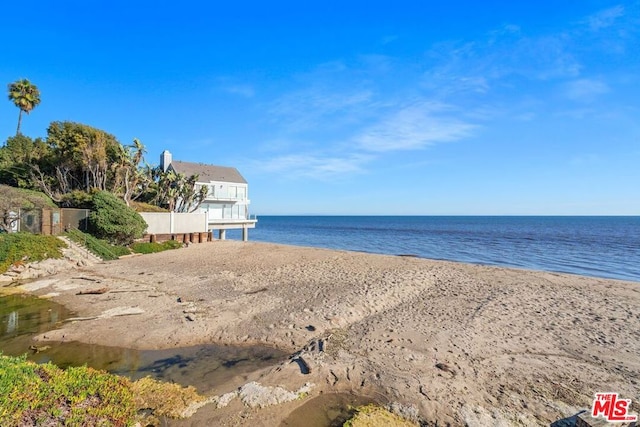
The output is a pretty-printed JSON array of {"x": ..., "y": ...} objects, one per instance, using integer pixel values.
[{"x": 227, "y": 202}]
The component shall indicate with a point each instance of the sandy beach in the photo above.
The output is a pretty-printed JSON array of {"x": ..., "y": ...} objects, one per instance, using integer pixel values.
[{"x": 449, "y": 343}]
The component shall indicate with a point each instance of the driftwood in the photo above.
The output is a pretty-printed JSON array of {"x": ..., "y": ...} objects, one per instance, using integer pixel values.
[
  {"x": 38, "y": 349},
  {"x": 93, "y": 291},
  {"x": 129, "y": 290},
  {"x": 118, "y": 311}
]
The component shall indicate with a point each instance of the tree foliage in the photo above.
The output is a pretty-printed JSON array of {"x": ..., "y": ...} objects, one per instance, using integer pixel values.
[
  {"x": 175, "y": 191},
  {"x": 16, "y": 158},
  {"x": 111, "y": 219},
  {"x": 75, "y": 157},
  {"x": 25, "y": 95},
  {"x": 80, "y": 158},
  {"x": 77, "y": 160}
]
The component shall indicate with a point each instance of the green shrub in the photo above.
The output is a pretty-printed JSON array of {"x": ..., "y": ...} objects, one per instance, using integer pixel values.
[
  {"x": 146, "y": 207},
  {"x": 32, "y": 394},
  {"x": 172, "y": 244},
  {"x": 77, "y": 199},
  {"x": 111, "y": 219},
  {"x": 16, "y": 247},
  {"x": 12, "y": 199},
  {"x": 373, "y": 415},
  {"x": 149, "y": 248},
  {"x": 35, "y": 394},
  {"x": 101, "y": 248}
]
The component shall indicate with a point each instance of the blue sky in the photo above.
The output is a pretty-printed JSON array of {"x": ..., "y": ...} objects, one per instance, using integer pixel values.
[{"x": 354, "y": 107}]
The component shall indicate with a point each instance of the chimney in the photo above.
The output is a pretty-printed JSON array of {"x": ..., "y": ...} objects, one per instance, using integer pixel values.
[{"x": 165, "y": 160}]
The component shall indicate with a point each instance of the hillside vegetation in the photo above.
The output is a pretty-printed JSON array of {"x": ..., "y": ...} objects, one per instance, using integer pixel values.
[{"x": 21, "y": 248}]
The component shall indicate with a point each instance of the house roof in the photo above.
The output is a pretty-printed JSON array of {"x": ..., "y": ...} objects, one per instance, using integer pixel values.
[{"x": 208, "y": 173}]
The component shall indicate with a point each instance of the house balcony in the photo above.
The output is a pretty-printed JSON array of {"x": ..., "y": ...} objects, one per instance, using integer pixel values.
[
  {"x": 230, "y": 223},
  {"x": 216, "y": 199}
]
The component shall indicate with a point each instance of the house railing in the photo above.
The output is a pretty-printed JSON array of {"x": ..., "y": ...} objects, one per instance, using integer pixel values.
[{"x": 225, "y": 199}]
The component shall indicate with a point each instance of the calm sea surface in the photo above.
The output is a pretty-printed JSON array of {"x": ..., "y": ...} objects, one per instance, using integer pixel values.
[{"x": 592, "y": 246}]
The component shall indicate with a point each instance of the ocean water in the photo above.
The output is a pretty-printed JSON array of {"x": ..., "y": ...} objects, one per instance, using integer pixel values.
[{"x": 593, "y": 246}]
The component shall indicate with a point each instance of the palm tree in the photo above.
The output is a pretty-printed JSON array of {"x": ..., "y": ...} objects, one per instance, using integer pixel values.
[{"x": 25, "y": 95}]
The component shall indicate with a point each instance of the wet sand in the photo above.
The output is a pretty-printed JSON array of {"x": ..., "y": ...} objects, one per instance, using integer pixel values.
[{"x": 446, "y": 342}]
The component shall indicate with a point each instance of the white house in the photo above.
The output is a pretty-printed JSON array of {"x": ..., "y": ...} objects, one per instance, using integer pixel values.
[{"x": 227, "y": 202}]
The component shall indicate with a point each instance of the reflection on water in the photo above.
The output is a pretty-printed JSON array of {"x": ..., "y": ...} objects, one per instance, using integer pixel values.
[
  {"x": 12, "y": 322},
  {"x": 24, "y": 316},
  {"x": 202, "y": 366}
]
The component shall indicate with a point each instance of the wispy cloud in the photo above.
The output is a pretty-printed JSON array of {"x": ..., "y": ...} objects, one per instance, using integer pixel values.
[
  {"x": 316, "y": 166},
  {"x": 585, "y": 89},
  {"x": 605, "y": 18},
  {"x": 476, "y": 67},
  {"x": 414, "y": 127},
  {"x": 307, "y": 107},
  {"x": 334, "y": 94},
  {"x": 245, "y": 91},
  {"x": 348, "y": 113}
]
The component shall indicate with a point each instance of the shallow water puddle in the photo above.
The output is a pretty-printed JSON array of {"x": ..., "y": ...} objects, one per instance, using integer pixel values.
[
  {"x": 326, "y": 410},
  {"x": 203, "y": 366},
  {"x": 23, "y": 316}
]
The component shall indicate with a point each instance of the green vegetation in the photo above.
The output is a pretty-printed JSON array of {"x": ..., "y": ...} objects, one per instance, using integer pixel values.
[
  {"x": 376, "y": 416},
  {"x": 46, "y": 395},
  {"x": 169, "y": 400},
  {"x": 113, "y": 220},
  {"x": 79, "y": 166},
  {"x": 14, "y": 199},
  {"x": 78, "y": 199},
  {"x": 149, "y": 248},
  {"x": 79, "y": 158},
  {"x": 76, "y": 157},
  {"x": 179, "y": 192},
  {"x": 27, "y": 247},
  {"x": 146, "y": 207},
  {"x": 25, "y": 95},
  {"x": 18, "y": 153},
  {"x": 35, "y": 394},
  {"x": 101, "y": 248}
]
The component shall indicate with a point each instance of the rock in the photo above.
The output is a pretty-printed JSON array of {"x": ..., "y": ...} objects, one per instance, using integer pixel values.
[
  {"x": 255, "y": 395},
  {"x": 225, "y": 399}
]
